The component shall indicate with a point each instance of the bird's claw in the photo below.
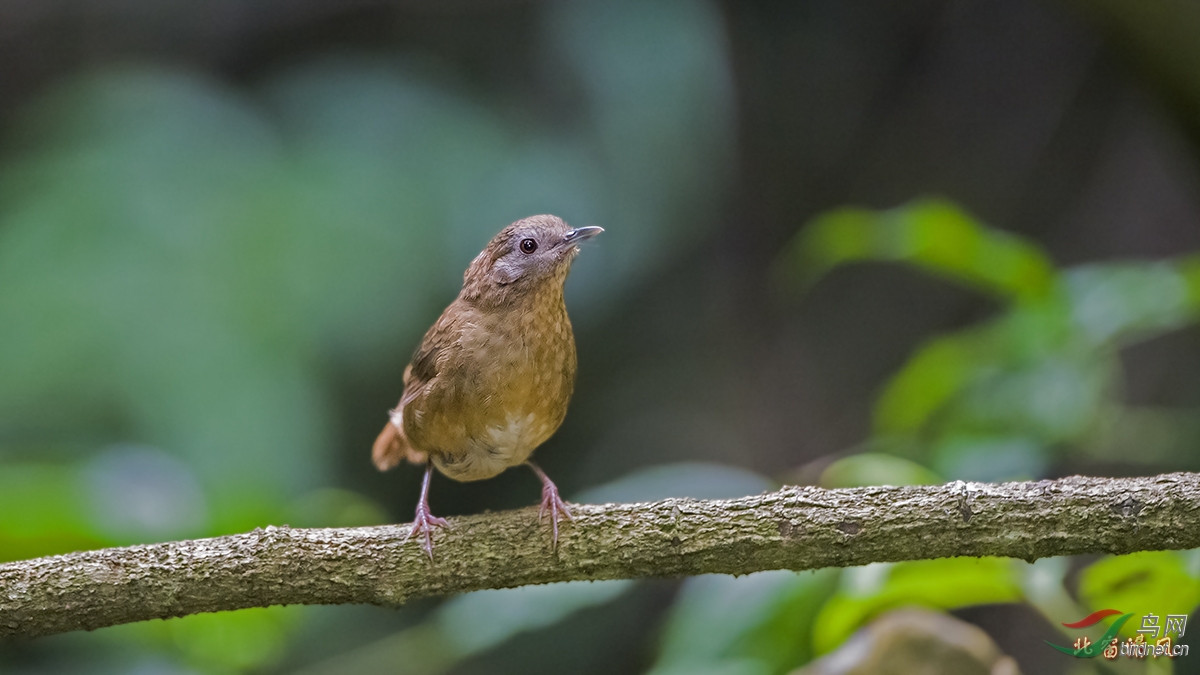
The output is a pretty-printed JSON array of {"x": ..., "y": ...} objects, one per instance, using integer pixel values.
[
  {"x": 553, "y": 506},
  {"x": 424, "y": 522}
]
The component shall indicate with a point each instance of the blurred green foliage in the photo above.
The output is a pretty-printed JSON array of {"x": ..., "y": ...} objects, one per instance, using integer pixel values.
[
  {"x": 933, "y": 235},
  {"x": 41, "y": 510},
  {"x": 1159, "y": 582},
  {"x": 950, "y": 583},
  {"x": 1002, "y": 400},
  {"x": 1040, "y": 380},
  {"x": 756, "y": 624},
  {"x": 869, "y": 468},
  {"x": 187, "y": 270},
  {"x": 181, "y": 263}
]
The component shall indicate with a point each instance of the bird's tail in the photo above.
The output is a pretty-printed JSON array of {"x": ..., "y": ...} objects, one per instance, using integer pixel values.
[{"x": 391, "y": 448}]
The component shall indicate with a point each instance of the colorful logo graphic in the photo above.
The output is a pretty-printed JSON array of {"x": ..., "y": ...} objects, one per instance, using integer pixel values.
[{"x": 1147, "y": 642}]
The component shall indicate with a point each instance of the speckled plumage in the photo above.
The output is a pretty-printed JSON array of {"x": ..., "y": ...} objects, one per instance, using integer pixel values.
[
  {"x": 493, "y": 376},
  {"x": 503, "y": 380}
]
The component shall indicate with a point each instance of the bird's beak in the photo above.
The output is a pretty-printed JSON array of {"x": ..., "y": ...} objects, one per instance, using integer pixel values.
[{"x": 581, "y": 233}]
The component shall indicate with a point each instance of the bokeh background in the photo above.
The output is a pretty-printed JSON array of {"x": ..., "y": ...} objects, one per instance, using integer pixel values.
[{"x": 847, "y": 244}]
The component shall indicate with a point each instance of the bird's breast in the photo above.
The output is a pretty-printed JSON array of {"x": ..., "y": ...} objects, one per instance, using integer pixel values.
[{"x": 512, "y": 384}]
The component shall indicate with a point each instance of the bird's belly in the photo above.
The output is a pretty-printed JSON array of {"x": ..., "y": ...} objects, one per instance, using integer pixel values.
[
  {"x": 497, "y": 404},
  {"x": 489, "y": 451}
]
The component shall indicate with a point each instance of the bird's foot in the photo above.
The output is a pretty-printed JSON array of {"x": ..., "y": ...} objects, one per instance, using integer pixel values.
[
  {"x": 553, "y": 506},
  {"x": 423, "y": 523}
]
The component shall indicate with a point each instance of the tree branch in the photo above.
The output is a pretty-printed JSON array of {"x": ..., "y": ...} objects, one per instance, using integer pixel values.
[{"x": 795, "y": 528}]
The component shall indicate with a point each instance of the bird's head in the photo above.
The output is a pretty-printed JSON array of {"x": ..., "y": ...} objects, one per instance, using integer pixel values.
[{"x": 526, "y": 256}]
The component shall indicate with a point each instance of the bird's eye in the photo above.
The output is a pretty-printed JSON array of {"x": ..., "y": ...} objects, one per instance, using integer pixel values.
[{"x": 528, "y": 245}]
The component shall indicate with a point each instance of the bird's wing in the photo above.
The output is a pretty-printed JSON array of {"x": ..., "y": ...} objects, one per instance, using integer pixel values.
[
  {"x": 427, "y": 360},
  {"x": 391, "y": 447},
  {"x": 424, "y": 366}
]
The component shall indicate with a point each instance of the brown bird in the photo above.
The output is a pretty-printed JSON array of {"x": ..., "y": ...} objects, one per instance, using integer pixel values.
[{"x": 493, "y": 376}]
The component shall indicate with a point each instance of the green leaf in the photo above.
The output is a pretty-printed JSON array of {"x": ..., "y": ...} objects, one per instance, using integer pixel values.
[
  {"x": 43, "y": 511},
  {"x": 876, "y": 469},
  {"x": 1117, "y": 303},
  {"x": 989, "y": 458},
  {"x": 1054, "y": 400},
  {"x": 248, "y": 639},
  {"x": 1150, "y": 582},
  {"x": 755, "y": 623},
  {"x": 946, "y": 583},
  {"x": 1026, "y": 374},
  {"x": 484, "y": 619},
  {"x": 927, "y": 381},
  {"x": 931, "y": 234}
]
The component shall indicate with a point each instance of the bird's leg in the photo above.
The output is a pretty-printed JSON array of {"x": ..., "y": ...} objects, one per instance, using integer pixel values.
[
  {"x": 552, "y": 504},
  {"x": 424, "y": 522}
]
